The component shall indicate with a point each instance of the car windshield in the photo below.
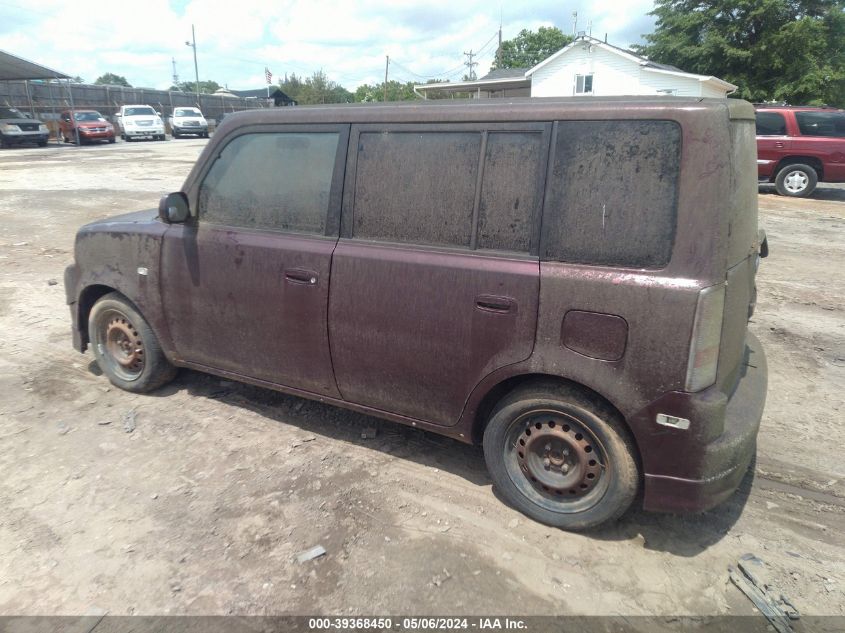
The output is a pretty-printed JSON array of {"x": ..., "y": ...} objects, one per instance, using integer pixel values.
[
  {"x": 187, "y": 112},
  {"x": 821, "y": 123},
  {"x": 10, "y": 113},
  {"x": 144, "y": 111},
  {"x": 88, "y": 116}
]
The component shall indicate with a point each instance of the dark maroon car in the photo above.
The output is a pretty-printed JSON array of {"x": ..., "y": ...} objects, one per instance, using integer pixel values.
[{"x": 566, "y": 281}]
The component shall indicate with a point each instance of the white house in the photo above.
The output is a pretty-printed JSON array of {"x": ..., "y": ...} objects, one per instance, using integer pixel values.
[{"x": 589, "y": 67}]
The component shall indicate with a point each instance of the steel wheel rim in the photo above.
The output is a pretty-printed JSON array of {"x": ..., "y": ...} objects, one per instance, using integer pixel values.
[
  {"x": 556, "y": 461},
  {"x": 120, "y": 345},
  {"x": 796, "y": 181}
]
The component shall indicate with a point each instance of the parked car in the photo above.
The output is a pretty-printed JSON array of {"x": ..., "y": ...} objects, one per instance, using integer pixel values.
[
  {"x": 140, "y": 121},
  {"x": 89, "y": 124},
  {"x": 478, "y": 270},
  {"x": 800, "y": 146},
  {"x": 16, "y": 128},
  {"x": 187, "y": 121}
]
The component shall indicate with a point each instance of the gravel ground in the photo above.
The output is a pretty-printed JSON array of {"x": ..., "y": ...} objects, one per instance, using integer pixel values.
[{"x": 203, "y": 506}]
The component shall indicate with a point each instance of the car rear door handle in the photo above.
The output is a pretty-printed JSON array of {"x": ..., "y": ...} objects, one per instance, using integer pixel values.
[
  {"x": 301, "y": 276},
  {"x": 492, "y": 303},
  {"x": 779, "y": 144}
]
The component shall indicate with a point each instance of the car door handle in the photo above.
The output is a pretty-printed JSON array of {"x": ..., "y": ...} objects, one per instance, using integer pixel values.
[
  {"x": 492, "y": 303},
  {"x": 779, "y": 144},
  {"x": 301, "y": 276}
]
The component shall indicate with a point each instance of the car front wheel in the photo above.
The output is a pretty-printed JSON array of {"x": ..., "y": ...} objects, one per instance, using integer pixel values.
[
  {"x": 561, "y": 456},
  {"x": 796, "y": 181},
  {"x": 125, "y": 346}
]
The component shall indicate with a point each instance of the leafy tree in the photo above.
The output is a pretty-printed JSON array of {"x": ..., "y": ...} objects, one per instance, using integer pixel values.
[
  {"x": 206, "y": 87},
  {"x": 396, "y": 91},
  {"x": 528, "y": 48},
  {"x": 774, "y": 50},
  {"x": 110, "y": 79},
  {"x": 317, "y": 88}
]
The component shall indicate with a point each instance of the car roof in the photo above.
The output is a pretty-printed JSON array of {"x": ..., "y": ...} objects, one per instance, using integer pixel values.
[{"x": 448, "y": 110}]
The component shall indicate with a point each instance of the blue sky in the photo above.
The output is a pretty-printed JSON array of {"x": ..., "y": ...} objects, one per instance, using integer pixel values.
[{"x": 236, "y": 40}]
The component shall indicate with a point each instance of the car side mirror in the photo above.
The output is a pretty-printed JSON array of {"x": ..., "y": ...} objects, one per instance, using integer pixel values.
[{"x": 174, "y": 208}]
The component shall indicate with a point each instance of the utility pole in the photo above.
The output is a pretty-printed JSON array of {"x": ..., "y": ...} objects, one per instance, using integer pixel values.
[
  {"x": 574, "y": 23},
  {"x": 175, "y": 74},
  {"x": 193, "y": 44},
  {"x": 470, "y": 64},
  {"x": 499, "y": 50},
  {"x": 386, "y": 66}
]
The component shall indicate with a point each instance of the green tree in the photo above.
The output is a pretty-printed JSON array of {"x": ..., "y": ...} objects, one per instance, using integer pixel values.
[
  {"x": 774, "y": 50},
  {"x": 206, "y": 87},
  {"x": 396, "y": 91},
  {"x": 528, "y": 48},
  {"x": 110, "y": 79},
  {"x": 317, "y": 88}
]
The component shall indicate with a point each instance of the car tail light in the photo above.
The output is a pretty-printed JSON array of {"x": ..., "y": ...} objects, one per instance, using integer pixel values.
[{"x": 706, "y": 337}]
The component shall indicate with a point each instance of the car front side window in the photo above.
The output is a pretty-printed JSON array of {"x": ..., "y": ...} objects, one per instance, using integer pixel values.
[{"x": 272, "y": 181}]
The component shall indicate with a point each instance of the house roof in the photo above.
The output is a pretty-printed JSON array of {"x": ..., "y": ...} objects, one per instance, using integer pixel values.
[
  {"x": 504, "y": 73},
  {"x": 644, "y": 62},
  {"x": 13, "y": 67},
  {"x": 499, "y": 79}
]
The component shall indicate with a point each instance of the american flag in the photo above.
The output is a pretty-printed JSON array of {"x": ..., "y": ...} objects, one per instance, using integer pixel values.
[{"x": 268, "y": 75}]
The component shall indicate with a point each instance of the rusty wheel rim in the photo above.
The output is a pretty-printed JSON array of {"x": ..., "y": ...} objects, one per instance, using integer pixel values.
[
  {"x": 121, "y": 346},
  {"x": 557, "y": 461}
]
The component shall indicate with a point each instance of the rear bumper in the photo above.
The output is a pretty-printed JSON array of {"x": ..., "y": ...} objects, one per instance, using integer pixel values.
[{"x": 691, "y": 471}]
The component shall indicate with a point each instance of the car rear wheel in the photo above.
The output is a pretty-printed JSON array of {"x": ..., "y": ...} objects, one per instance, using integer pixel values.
[
  {"x": 125, "y": 346},
  {"x": 561, "y": 456},
  {"x": 796, "y": 181}
]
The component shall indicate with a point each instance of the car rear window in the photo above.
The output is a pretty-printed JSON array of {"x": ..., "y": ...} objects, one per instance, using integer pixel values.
[
  {"x": 821, "y": 123},
  {"x": 612, "y": 194},
  {"x": 416, "y": 187},
  {"x": 770, "y": 124}
]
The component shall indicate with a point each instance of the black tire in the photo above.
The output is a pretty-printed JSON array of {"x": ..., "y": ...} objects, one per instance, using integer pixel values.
[
  {"x": 175, "y": 134},
  {"x": 111, "y": 139},
  {"x": 578, "y": 471},
  {"x": 796, "y": 181},
  {"x": 125, "y": 347},
  {"x": 42, "y": 143}
]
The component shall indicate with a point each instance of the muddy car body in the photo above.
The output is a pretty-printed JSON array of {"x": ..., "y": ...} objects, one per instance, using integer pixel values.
[{"x": 566, "y": 281}]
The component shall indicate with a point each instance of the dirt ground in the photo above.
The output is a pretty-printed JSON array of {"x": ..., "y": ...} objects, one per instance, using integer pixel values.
[{"x": 204, "y": 506}]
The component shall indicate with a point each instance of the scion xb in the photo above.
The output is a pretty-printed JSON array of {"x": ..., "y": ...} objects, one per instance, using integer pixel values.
[{"x": 567, "y": 282}]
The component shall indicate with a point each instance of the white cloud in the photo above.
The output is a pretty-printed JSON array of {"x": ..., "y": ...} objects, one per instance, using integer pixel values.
[{"x": 235, "y": 41}]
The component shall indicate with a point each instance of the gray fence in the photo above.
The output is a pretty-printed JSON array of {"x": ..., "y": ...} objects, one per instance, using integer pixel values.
[{"x": 46, "y": 100}]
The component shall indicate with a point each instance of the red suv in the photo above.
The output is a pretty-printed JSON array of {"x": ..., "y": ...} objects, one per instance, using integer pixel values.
[{"x": 799, "y": 146}]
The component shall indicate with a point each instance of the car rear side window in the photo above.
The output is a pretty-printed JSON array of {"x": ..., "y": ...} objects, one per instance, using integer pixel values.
[
  {"x": 510, "y": 193},
  {"x": 416, "y": 187},
  {"x": 612, "y": 194},
  {"x": 830, "y": 124},
  {"x": 770, "y": 124},
  {"x": 275, "y": 181}
]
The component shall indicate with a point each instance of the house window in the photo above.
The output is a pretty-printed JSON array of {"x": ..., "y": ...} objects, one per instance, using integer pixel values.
[{"x": 583, "y": 84}]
